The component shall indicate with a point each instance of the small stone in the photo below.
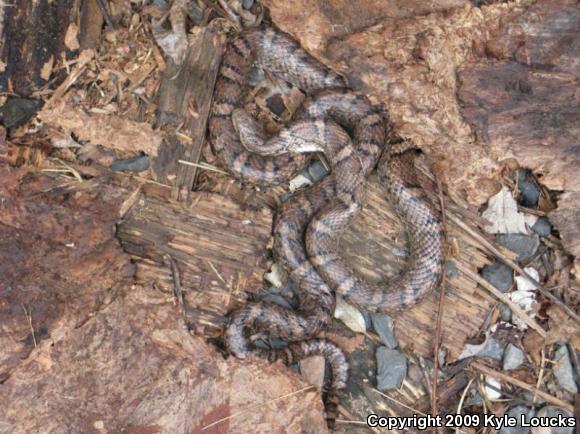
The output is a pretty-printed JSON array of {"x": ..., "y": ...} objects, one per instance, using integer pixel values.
[
  {"x": 499, "y": 275},
  {"x": 513, "y": 357},
  {"x": 383, "y": 325},
  {"x": 563, "y": 370},
  {"x": 317, "y": 171},
  {"x": 529, "y": 191},
  {"x": 16, "y": 111},
  {"x": 275, "y": 344},
  {"x": 255, "y": 76},
  {"x": 277, "y": 299},
  {"x": 247, "y": 4},
  {"x": 415, "y": 373},
  {"x": 391, "y": 368},
  {"x": 136, "y": 164},
  {"x": 451, "y": 269},
  {"x": 505, "y": 312},
  {"x": 525, "y": 246},
  {"x": 195, "y": 13},
  {"x": 349, "y": 315},
  {"x": 553, "y": 411},
  {"x": 542, "y": 227},
  {"x": 517, "y": 412},
  {"x": 492, "y": 349},
  {"x": 312, "y": 369}
]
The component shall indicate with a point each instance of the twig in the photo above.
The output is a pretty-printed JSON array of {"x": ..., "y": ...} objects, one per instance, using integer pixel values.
[
  {"x": 495, "y": 251},
  {"x": 460, "y": 405},
  {"x": 514, "y": 307},
  {"x": 258, "y": 404},
  {"x": 105, "y": 12},
  {"x": 28, "y": 315},
  {"x": 500, "y": 376},
  {"x": 176, "y": 280},
  {"x": 202, "y": 166},
  {"x": 438, "y": 331}
]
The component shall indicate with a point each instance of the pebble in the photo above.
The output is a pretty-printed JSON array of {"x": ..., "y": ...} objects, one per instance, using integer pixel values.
[
  {"x": 451, "y": 269},
  {"x": 499, "y": 275},
  {"x": 317, "y": 171},
  {"x": 391, "y": 368},
  {"x": 312, "y": 369},
  {"x": 255, "y": 76},
  {"x": 563, "y": 370},
  {"x": 513, "y": 357},
  {"x": 517, "y": 412},
  {"x": 195, "y": 13},
  {"x": 553, "y": 411},
  {"x": 135, "y": 164},
  {"x": 16, "y": 111},
  {"x": 277, "y": 299},
  {"x": 529, "y": 191},
  {"x": 247, "y": 4},
  {"x": 525, "y": 246},
  {"x": 276, "y": 344},
  {"x": 542, "y": 227},
  {"x": 491, "y": 349},
  {"x": 505, "y": 312},
  {"x": 383, "y": 325}
]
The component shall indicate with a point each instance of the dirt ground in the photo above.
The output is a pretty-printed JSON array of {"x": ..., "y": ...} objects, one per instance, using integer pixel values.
[{"x": 125, "y": 243}]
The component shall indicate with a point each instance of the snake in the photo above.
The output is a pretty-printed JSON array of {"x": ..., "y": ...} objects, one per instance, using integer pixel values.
[{"x": 352, "y": 133}]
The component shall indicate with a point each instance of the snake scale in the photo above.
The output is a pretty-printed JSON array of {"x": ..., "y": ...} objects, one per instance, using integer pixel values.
[{"x": 353, "y": 134}]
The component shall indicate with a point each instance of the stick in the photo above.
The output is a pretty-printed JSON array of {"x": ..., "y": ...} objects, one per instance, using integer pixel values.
[
  {"x": 514, "y": 307},
  {"x": 500, "y": 376},
  {"x": 495, "y": 251},
  {"x": 438, "y": 332}
]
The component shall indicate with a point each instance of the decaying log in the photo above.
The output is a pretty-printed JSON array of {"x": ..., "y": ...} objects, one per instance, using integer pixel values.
[
  {"x": 375, "y": 245},
  {"x": 526, "y": 105},
  {"x": 219, "y": 249},
  {"x": 33, "y": 39},
  {"x": 185, "y": 99},
  {"x": 59, "y": 260}
]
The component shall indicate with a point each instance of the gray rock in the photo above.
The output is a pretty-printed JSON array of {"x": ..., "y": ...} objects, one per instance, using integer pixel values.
[
  {"x": 499, "y": 275},
  {"x": 16, "y": 111},
  {"x": 492, "y": 349},
  {"x": 317, "y": 171},
  {"x": 451, "y": 269},
  {"x": 383, "y": 325},
  {"x": 391, "y": 368},
  {"x": 505, "y": 312},
  {"x": 255, "y": 76},
  {"x": 553, "y": 411},
  {"x": 136, "y": 164},
  {"x": 542, "y": 227},
  {"x": 195, "y": 13},
  {"x": 563, "y": 370},
  {"x": 517, "y": 413},
  {"x": 277, "y": 299},
  {"x": 513, "y": 357},
  {"x": 247, "y": 4},
  {"x": 529, "y": 191},
  {"x": 276, "y": 344},
  {"x": 525, "y": 246}
]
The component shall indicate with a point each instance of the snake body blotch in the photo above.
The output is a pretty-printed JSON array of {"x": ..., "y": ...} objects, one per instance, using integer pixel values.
[{"x": 352, "y": 133}]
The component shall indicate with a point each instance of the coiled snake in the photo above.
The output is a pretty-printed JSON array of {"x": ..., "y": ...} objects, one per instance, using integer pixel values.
[{"x": 352, "y": 133}]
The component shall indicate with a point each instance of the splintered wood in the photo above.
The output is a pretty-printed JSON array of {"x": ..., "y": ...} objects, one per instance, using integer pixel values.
[
  {"x": 375, "y": 246},
  {"x": 218, "y": 249}
]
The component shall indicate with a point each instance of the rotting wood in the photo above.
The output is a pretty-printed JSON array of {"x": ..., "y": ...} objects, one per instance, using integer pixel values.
[
  {"x": 91, "y": 24},
  {"x": 378, "y": 233},
  {"x": 33, "y": 38},
  {"x": 185, "y": 99},
  {"x": 218, "y": 249}
]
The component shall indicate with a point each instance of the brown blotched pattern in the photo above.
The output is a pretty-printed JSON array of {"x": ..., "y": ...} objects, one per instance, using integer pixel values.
[{"x": 310, "y": 223}]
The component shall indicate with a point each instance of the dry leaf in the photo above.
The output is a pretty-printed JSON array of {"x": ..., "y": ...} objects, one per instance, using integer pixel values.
[
  {"x": 502, "y": 212},
  {"x": 349, "y": 315}
]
